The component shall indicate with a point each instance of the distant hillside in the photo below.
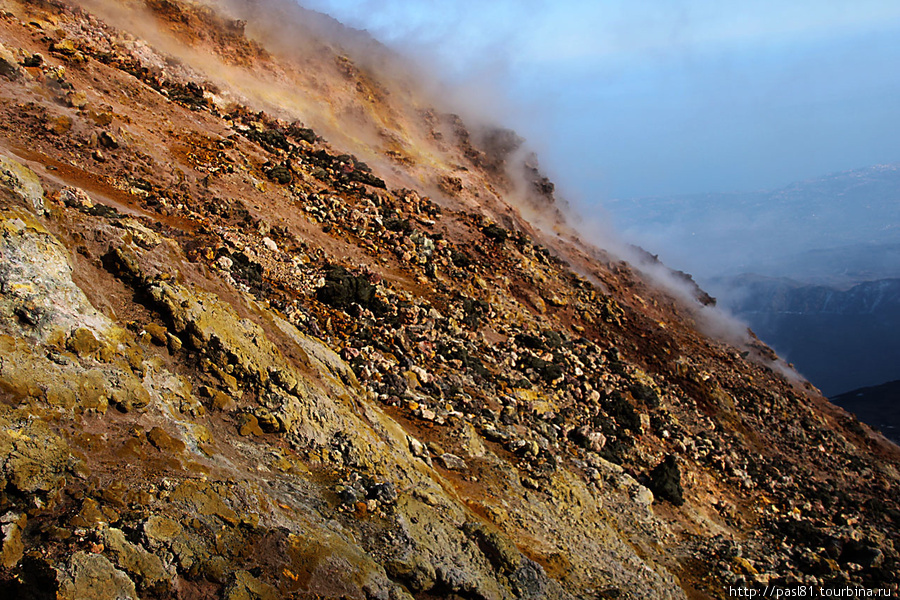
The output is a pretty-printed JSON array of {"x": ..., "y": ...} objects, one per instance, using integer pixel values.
[
  {"x": 879, "y": 406},
  {"x": 840, "y": 229},
  {"x": 840, "y": 340}
]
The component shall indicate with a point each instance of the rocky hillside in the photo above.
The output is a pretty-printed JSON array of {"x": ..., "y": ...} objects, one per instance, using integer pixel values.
[{"x": 273, "y": 326}]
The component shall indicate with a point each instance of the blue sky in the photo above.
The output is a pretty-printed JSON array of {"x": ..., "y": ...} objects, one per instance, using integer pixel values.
[{"x": 626, "y": 98}]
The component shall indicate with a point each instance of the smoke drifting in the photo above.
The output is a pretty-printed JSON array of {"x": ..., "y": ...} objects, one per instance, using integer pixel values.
[
  {"x": 374, "y": 102},
  {"x": 686, "y": 97}
]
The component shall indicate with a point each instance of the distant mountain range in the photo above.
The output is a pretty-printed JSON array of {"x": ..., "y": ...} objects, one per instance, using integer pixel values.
[
  {"x": 837, "y": 230},
  {"x": 824, "y": 255},
  {"x": 879, "y": 406},
  {"x": 839, "y": 339}
]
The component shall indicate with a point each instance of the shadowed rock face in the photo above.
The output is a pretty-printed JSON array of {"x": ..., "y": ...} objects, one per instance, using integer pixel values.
[{"x": 237, "y": 361}]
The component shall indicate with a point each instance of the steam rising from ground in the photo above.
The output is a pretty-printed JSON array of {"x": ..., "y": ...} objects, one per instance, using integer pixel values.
[
  {"x": 279, "y": 29},
  {"x": 314, "y": 93},
  {"x": 312, "y": 89}
]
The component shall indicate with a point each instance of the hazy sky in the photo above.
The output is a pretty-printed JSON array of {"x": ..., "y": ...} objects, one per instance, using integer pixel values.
[{"x": 627, "y": 98}]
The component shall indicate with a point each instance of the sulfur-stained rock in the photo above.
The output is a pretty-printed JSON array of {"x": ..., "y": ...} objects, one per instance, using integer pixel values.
[
  {"x": 222, "y": 401},
  {"x": 141, "y": 235},
  {"x": 502, "y": 553},
  {"x": 206, "y": 499},
  {"x": 145, "y": 568},
  {"x": 245, "y": 586},
  {"x": 92, "y": 391},
  {"x": 93, "y": 576},
  {"x": 157, "y": 332},
  {"x": 77, "y": 99},
  {"x": 65, "y": 47},
  {"x": 414, "y": 570},
  {"x": 35, "y": 272},
  {"x": 9, "y": 66},
  {"x": 164, "y": 442},
  {"x": 248, "y": 424},
  {"x": 92, "y": 513},
  {"x": 61, "y": 125},
  {"x": 23, "y": 182},
  {"x": 33, "y": 458},
  {"x": 83, "y": 342},
  {"x": 130, "y": 395},
  {"x": 162, "y": 529},
  {"x": 173, "y": 342},
  {"x": 335, "y": 387},
  {"x": 217, "y": 329},
  {"x": 268, "y": 421},
  {"x": 11, "y": 547}
]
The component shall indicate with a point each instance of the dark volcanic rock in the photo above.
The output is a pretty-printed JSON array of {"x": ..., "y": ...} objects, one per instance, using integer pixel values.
[
  {"x": 665, "y": 481},
  {"x": 342, "y": 289}
]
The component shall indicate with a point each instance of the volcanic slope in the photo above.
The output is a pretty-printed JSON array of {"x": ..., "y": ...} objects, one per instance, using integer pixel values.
[{"x": 273, "y": 327}]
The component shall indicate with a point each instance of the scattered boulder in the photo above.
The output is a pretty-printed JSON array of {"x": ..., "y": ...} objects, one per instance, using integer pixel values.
[
  {"x": 270, "y": 139},
  {"x": 23, "y": 182},
  {"x": 342, "y": 289},
  {"x": 385, "y": 493},
  {"x": 33, "y": 61},
  {"x": 495, "y": 232},
  {"x": 245, "y": 586},
  {"x": 9, "y": 66},
  {"x": 270, "y": 244},
  {"x": 108, "y": 140},
  {"x": 665, "y": 481},
  {"x": 451, "y": 462},
  {"x": 146, "y": 568},
  {"x": 93, "y": 576},
  {"x": 862, "y": 553},
  {"x": 280, "y": 173},
  {"x": 588, "y": 439},
  {"x": 11, "y": 547},
  {"x": 75, "y": 197}
]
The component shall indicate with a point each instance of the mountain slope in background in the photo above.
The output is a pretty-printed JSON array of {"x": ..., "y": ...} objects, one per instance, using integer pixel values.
[
  {"x": 811, "y": 267},
  {"x": 274, "y": 325},
  {"x": 837, "y": 230},
  {"x": 877, "y": 405},
  {"x": 839, "y": 339}
]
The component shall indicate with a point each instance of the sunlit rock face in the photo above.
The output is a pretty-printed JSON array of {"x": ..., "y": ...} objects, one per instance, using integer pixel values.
[{"x": 275, "y": 323}]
